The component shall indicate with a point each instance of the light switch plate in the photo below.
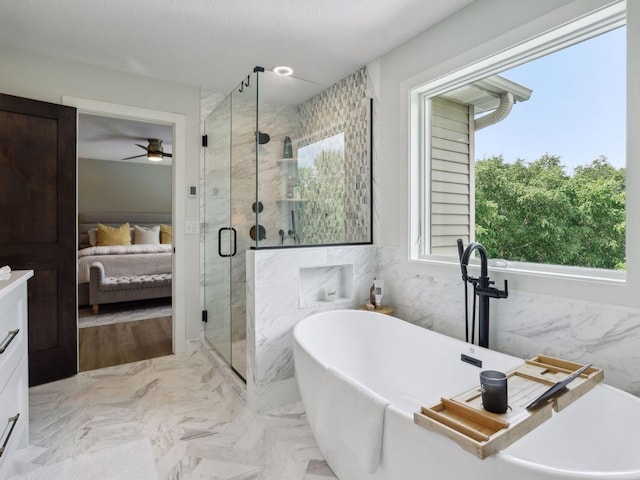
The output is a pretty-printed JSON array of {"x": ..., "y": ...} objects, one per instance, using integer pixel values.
[{"x": 192, "y": 227}]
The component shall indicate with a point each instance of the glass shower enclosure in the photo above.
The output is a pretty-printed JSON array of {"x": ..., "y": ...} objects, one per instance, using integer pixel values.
[{"x": 288, "y": 164}]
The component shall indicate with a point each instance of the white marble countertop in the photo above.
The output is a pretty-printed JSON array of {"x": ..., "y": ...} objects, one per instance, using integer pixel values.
[{"x": 16, "y": 279}]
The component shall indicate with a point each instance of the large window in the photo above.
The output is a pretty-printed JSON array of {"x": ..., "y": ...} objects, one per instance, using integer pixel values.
[{"x": 526, "y": 154}]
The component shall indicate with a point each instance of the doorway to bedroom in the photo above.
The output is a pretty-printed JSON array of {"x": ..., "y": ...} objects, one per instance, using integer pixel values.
[{"x": 124, "y": 240}]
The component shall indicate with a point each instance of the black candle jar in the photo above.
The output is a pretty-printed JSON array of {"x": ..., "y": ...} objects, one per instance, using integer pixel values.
[{"x": 495, "y": 397}]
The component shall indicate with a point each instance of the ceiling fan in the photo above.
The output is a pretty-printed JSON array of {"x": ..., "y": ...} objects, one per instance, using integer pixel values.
[{"x": 154, "y": 151}]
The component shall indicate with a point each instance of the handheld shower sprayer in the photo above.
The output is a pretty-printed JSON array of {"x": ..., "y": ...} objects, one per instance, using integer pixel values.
[
  {"x": 463, "y": 268},
  {"x": 293, "y": 232}
]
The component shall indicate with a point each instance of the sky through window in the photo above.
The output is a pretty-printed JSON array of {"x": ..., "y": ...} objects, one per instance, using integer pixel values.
[{"x": 577, "y": 109}]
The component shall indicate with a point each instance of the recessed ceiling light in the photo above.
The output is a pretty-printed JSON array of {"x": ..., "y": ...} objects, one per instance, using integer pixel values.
[{"x": 282, "y": 70}]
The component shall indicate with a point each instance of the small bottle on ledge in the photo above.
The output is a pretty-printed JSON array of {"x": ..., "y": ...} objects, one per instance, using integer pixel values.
[{"x": 372, "y": 293}]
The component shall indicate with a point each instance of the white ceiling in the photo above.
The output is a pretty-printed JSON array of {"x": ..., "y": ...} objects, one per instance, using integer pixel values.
[
  {"x": 216, "y": 43},
  {"x": 109, "y": 138}
]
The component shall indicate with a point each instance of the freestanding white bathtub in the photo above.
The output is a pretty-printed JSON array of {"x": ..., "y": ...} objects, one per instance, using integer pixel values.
[{"x": 597, "y": 437}]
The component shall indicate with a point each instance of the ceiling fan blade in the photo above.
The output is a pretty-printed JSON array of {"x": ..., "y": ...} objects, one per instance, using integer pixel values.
[
  {"x": 167, "y": 155},
  {"x": 137, "y": 156},
  {"x": 143, "y": 147}
]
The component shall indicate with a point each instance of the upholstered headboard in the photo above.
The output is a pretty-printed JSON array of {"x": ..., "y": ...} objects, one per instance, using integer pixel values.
[{"x": 89, "y": 220}]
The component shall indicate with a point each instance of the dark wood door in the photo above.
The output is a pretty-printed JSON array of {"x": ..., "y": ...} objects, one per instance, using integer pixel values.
[{"x": 38, "y": 225}]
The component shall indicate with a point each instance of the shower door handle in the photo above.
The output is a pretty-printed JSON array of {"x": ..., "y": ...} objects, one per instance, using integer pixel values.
[
  {"x": 220, "y": 242},
  {"x": 235, "y": 242}
]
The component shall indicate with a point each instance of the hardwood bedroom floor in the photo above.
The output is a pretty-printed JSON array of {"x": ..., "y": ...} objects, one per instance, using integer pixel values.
[{"x": 119, "y": 343}]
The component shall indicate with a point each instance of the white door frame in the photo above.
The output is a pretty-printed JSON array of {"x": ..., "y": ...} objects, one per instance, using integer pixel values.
[{"x": 178, "y": 167}]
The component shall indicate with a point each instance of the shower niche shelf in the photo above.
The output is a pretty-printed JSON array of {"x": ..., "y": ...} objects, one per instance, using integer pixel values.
[{"x": 315, "y": 281}]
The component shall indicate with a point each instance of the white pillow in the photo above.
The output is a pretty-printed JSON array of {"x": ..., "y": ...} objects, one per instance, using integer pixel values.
[
  {"x": 93, "y": 237},
  {"x": 144, "y": 235}
]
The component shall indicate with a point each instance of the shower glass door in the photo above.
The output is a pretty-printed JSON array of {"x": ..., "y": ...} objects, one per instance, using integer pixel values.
[
  {"x": 230, "y": 219},
  {"x": 218, "y": 245},
  {"x": 243, "y": 217}
]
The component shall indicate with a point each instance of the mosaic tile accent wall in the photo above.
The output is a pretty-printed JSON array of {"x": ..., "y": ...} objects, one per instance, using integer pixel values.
[{"x": 341, "y": 212}]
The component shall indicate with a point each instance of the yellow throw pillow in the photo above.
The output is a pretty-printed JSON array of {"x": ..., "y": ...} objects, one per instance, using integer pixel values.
[
  {"x": 165, "y": 233},
  {"x": 114, "y": 236}
]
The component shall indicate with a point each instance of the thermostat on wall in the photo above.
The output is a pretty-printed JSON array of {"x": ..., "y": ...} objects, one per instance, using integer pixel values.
[{"x": 193, "y": 191}]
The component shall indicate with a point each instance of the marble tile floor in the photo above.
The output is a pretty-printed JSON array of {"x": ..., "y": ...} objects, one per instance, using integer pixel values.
[
  {"x": 235, "y": 352},
  {"x": 124, "y": 312},
  {"x": 194, "y": 417}
]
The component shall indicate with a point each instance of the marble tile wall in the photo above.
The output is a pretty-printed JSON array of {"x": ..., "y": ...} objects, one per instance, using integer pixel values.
[
  {"x": 273, "y": 309},
  {"x": 279, "y": 121},
  {"x": 524, "y": 324},
  {"x": 326, "y": 283}
]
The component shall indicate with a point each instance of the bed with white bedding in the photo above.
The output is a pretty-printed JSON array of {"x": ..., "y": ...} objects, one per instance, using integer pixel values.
[{"x": 120, "y": 260}]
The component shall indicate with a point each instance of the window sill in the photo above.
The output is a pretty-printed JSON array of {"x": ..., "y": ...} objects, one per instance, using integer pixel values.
[
  {"x": 536, "y": 270},
  {"x": 562, "y": 272},
  {"x": 594, "y": 285}
]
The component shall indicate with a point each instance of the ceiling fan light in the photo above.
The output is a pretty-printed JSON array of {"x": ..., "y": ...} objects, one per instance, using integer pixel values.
[{"x": 154, "y": 150}]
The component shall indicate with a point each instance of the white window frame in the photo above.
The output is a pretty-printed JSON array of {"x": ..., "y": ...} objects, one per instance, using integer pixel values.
[{"x": 583, "y": 28}]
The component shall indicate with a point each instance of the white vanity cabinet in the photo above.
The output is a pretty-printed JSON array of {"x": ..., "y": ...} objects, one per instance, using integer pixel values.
[{"x": 14, "y": 373}]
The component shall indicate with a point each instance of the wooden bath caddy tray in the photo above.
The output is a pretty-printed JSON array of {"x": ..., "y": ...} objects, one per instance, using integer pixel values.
[{"x": 463, "y": 418}]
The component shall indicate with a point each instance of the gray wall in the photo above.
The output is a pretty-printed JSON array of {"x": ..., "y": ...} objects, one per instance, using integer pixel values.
[
  {"x": 110, "y": 186},
  {"x": 47, "y": 79}
]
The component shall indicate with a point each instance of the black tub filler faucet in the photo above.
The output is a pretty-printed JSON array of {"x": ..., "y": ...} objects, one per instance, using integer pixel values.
[{"x": 482, "y": 288}]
